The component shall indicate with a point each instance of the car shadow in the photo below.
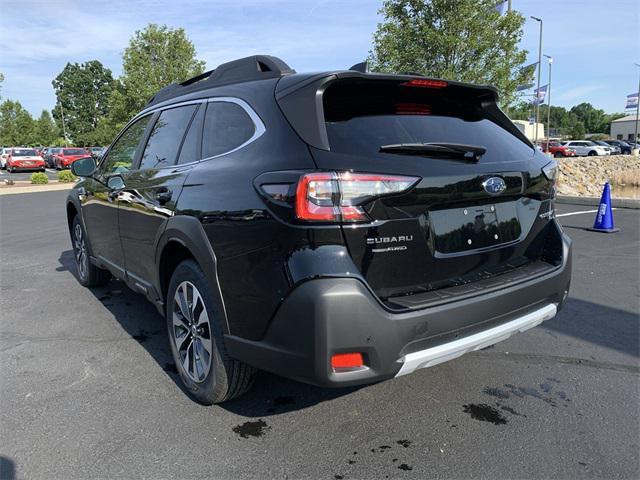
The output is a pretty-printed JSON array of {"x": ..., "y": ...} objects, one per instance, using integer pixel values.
[
  {"x": 270, "y": 394},
  {"x": 7, "y": 468}
]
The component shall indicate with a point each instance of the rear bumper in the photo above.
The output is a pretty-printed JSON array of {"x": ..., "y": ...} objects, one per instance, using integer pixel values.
[
  {"x": 323, "y": 317},
  {"x": 18, "y": 166}
]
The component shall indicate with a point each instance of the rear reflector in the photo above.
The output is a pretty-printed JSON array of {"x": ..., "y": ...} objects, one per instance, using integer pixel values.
[
  {"x": 425, "y": 83},
  {"x": 339, "y": 196},
  {"x": 347, "y": 360}
]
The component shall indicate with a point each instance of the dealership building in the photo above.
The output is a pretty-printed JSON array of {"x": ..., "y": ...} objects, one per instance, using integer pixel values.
[{"x": 624, "y": 128}]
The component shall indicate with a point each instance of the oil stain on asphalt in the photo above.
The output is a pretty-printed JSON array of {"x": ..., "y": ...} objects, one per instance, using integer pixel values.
[
  {"x": 382, "y": 449},
  {"x": 485, "y": 413},
  {"x": 252, "y": 429},
  {"x": 545, "y": 392}
]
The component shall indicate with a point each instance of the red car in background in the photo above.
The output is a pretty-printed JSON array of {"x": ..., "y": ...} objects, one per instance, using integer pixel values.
[
  {"x": 558, "y": 150},
  {"x": 24, "y": 159},
  {"x": 66, "y": 156}
]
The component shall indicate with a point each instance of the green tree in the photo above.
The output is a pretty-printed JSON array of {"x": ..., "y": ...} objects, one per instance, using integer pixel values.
[
  {"x": 155, "y": 57},
  {"x": 465, "y": 40},
  {"x": 577, "y": 131},
  {"x": 82, "y": 92},
  {"x": 46, "y": 131},
  {"x": 16, "y": 124}
]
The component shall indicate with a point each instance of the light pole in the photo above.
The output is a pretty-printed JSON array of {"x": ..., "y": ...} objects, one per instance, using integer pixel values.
[
  {"x": 550, "y": 59},
  {"x": 635, "y": 135},
  {"x": 539, "y": 71}
]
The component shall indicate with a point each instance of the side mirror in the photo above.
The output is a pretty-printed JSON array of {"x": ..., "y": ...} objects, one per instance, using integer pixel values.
[{"x": 84, "y": 167}]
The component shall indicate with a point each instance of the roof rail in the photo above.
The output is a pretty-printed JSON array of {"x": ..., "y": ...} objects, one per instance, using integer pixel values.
[{"x": 255, "y": 67}]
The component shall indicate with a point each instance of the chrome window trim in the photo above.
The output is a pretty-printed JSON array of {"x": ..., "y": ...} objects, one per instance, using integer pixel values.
[{"x": 259, "y": 127}]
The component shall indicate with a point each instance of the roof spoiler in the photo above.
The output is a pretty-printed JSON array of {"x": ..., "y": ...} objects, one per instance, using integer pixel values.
[{"x": 255, "y": 67}]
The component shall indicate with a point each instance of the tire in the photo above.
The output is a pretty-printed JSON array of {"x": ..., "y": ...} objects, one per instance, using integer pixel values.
[
  {"x": 212, "y": 376},
  {"x": 558, "y": 155},
  {"x": 592, "y": 153},
  {"x": 88, "y": 274}
]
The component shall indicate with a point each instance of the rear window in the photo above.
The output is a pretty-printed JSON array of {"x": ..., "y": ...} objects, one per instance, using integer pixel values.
[
  {"x": 360, "y": 117},
  {"x": 24, "y": 153},
  {"x": 74, "y": 151}
]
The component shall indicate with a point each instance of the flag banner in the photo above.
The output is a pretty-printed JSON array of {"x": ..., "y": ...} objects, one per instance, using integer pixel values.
[
  {"x": 632, "y": 100},
  {"x": 501, "y": 7},
  {"x": 526, "y": 86},
  {"x": 539, "y": 94},
  {"x": 527, "y": 72}
]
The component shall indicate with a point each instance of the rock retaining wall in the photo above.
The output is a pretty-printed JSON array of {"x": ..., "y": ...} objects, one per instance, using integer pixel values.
[{"x": 585, "y": 176}]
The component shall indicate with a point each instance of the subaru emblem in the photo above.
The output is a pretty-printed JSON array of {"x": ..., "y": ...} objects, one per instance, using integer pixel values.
[{"x": 494, "y": 185}]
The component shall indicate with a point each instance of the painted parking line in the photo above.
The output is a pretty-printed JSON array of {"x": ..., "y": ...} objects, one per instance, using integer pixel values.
[{"x": 578, "y": 213}]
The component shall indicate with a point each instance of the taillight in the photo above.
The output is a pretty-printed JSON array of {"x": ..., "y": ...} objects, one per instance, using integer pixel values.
[
  {"x": 550, "y": 171},
  {"x": 425, "y": 83},
  {"x": 340, "y": 196}
]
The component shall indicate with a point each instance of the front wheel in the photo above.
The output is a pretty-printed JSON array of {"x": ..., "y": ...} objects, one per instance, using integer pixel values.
[
  {"x": 558, "y": 155},
  {"x": 592, "y": 153},
  {"x": 88, "y": 274},
  {"x": 196, "y": 338}
]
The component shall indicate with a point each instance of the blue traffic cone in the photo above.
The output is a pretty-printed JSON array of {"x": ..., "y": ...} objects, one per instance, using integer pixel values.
[{"x": 604, "y": 217}]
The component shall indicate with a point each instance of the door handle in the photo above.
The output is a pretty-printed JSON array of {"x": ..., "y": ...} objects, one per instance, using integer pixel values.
[{"x": 164, "y": 195}]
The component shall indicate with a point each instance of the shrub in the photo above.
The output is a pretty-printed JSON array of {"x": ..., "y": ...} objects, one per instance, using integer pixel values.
[
  {"x": 65, "y": 176},
  {"x": 39, "y": 178}
]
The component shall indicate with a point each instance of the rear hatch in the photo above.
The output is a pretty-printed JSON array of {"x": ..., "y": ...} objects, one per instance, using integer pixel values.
[{"x": 472, "y": 216}]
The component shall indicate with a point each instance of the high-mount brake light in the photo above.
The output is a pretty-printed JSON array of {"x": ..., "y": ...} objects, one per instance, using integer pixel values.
[
  {"x": 425, "y": 83},
  {"x": 339, "y": 196}
]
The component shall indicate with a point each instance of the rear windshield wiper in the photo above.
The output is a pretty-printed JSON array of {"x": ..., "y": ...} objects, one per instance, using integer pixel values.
[{"x": 471, "y": 153}]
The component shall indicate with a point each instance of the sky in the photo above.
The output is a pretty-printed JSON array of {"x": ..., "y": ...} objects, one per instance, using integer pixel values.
[{"x": 594, "y": 43}]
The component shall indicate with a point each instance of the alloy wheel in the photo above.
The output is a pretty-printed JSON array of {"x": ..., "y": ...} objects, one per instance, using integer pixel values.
[
  {"x": 191, "y": 332},
  {"x": 80, "y": 251}
]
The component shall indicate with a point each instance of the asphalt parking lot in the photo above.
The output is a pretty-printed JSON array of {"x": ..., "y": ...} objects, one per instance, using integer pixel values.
[{"x": 89, "y": 390}]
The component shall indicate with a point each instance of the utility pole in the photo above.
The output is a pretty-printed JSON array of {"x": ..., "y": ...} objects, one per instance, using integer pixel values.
[
  {"x": 550, "y": 59},
  {"x": 539, "y": 72},
  {"x": 509, "y": 6},
  {"x": 64, "y": 130},
  {"x": 635, "y": 135}
]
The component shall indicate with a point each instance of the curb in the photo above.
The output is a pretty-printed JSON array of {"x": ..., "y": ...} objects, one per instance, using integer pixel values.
[
  {"x": 632, "y": 203},
  {"x": 35, "y": 188}
]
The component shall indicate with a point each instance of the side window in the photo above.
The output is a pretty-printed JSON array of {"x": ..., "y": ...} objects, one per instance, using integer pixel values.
[
  {"x": 226, "y": 126},
  {"x": 123, "y": 152},
  {"x": 189, "y": 152},
  {"x": 166, "y": 137}
]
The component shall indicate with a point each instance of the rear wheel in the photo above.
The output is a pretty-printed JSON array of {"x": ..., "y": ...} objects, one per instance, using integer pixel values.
[
  {"x": 196, "y": 338},
  {"x": 88, "y": 274}
]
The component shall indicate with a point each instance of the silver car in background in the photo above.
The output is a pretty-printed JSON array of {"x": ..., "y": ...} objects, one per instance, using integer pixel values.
[
  {"x": 613, "y": 149},
  {"x": 587, "y": 148}
]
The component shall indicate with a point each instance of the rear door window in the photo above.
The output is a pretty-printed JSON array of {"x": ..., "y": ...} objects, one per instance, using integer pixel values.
[
  {"x": 227, "y": 126},
  {"x": 166, "y": 137},
  {"x": 190, "y": 150}
]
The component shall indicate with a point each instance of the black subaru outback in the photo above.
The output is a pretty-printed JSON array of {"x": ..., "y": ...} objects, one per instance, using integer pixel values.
[{"x": 336, "y": 228}]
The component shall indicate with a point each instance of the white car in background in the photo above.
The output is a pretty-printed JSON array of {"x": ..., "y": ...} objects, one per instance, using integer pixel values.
[
  {"x": 587, "y": 148},
  {"x": 3, "y": 157}
]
